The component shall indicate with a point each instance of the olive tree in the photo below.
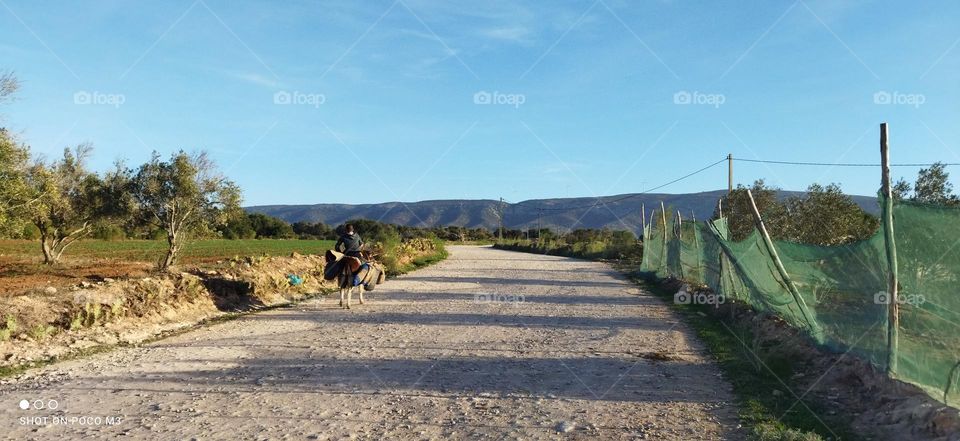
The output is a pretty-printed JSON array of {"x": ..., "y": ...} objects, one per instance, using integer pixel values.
[
  {"x": 13, "y": 163},
  {"x": 13, "y": 189},
  {"x": 933, "y": 186},
  {"x": 739, "y": 212},
  {"x": 824, "y": 215},
  {"x": 182, "y": 196},
  {"x": 9, "y": 85},
  {"x": 66, "y": 201}
]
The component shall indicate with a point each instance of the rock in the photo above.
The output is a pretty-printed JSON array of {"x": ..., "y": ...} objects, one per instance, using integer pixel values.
[
  {"x": 50, "y": 290},
  {"x": 107, "y": 280},
  {"x": 566, "y": 426}
]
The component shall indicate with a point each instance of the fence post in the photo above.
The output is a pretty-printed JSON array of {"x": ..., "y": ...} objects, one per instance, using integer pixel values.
[
  {"x": 811, "y": 324},
  {"x": 701, "y": 271},
  {"x": 679, "y": 224},
  {"x": 643, "y": 218},
  {"x": 663, "y": 250},
  {"x": 893, "y": 308},
  {"x": 653, "y": 221},
  {"x": 679, "y": 238}
]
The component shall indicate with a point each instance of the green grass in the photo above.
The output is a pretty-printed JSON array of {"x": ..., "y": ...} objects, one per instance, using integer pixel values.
[
  {"x": 419, "y": 262},
  {"x": 470, "y": 242},
  {"x": 151, "y": 250}
]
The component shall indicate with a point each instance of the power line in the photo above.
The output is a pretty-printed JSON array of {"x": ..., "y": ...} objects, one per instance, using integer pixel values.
[
  {"x": 602, "y": 202},
  {"x": 841, "y": 164}
]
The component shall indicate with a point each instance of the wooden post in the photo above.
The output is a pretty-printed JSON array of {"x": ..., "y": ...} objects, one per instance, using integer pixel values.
[
  {"x": 893, "y": 308},
  {"x": 643, "y": 218},
  {"x": 814, "y": 328},
  {"x": 679, "y": 238},
  {"x": 696, "y": 243},
  {"x": 720, "y": 207},
  {"x": 679, "y": 224},
  {"x": 663, "y": 223}
]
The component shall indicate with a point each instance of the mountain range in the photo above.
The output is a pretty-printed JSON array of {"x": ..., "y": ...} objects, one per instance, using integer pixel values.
[{"x": 617, "y": 212}]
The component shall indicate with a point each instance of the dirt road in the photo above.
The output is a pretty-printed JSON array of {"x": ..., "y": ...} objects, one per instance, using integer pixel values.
[{"x": 488, "y": 344}]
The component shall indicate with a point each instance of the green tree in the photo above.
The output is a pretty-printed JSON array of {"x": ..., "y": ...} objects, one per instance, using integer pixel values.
[
  {"x": 13, "y": 165},
  {"x": 826, "y": 216},
  {"x": 67, "y": 200},
  {"x": 269, "y": 227},
  {"x": 9, "y": 85},
  {"x": 739, "y": 213},
  {"x": 183, "y": 196},
  {"x": 13, "y": 189},
  {"x": 901, "y": 190},
  {"x": 933, "y": 186},
  {"x": 319, "y": 230},
  {"x": 238, "y": 227}
]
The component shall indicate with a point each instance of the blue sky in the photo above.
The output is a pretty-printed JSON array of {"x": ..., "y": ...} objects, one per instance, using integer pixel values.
[{"x": 416, "y": 100}]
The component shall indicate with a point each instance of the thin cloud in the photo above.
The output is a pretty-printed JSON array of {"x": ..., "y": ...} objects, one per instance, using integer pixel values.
[
  {"x": 255, "y": 78},
  {"x": 519, "y": 34}
]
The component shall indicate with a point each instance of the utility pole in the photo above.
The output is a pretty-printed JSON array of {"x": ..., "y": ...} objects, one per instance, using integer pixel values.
[
  {"x": 729, "y": 173},
  {"x": 500, "y": 218},
  {"x": 539, "y": 215}
]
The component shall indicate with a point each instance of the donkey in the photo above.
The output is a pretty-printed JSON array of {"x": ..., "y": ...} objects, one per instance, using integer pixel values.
[
  {"x": 345, "y": 283},
  {"x": 368, "y": 275}
]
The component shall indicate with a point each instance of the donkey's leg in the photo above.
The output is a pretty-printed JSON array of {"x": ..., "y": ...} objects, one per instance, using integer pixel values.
[
  {"x": 361, "y": 293},
  {"x": 341, "y": 296},
  {"x": 349, "y": 296}
]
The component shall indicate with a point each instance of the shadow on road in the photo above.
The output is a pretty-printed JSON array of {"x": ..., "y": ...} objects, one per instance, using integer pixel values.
[{"x": 273, "y": 371}]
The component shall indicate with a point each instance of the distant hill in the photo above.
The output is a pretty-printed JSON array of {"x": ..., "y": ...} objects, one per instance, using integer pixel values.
[{"x": 613, "y": 213}]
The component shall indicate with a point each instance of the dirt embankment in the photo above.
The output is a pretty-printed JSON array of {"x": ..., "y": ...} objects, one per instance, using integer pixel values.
[{"x": 50, "y": 323}]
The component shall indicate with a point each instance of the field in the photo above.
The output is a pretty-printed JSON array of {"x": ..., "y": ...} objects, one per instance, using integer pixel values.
[
  {"x": 151, "y": 250},
  {"x": 21, "y": 269}
]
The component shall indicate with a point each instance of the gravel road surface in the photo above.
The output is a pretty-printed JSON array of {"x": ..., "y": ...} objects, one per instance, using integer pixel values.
[{"x": 487, "y": 344}]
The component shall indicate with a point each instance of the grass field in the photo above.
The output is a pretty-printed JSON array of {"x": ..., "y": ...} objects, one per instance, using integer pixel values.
[{"x": 151, "y": 250}]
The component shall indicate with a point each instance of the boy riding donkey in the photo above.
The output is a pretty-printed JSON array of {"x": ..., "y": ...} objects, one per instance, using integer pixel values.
[
  {"x": 351, "y": 243},
  {"x": 348, "y": 263}
]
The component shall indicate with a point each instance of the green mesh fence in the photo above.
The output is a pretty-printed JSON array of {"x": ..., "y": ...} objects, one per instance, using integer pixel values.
[{"x": 838, "y": 293}]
